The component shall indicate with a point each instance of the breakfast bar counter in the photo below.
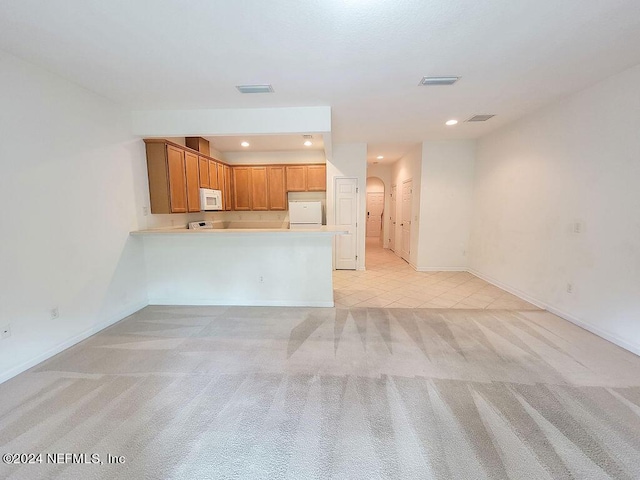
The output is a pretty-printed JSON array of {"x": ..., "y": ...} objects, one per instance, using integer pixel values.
[{"x": 239, "y": 266}]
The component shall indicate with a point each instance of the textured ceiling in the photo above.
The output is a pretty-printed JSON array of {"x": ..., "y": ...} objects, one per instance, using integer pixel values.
[
  {"x": 265, "y": 143},
  {"x": 364, "y": 58}
]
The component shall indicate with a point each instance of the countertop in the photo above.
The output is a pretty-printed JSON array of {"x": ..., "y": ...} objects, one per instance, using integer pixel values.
[{"x": 324, "y": 230}]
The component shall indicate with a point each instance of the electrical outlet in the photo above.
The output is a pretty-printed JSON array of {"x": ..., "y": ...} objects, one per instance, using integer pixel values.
[
  {"x": 261, "y": 279},
  {"x": 569, "y": 287},
  {"x": 145, "y": 211},
  {"x": 5, "y": 332},
  {"x": 54, "y": 313}
]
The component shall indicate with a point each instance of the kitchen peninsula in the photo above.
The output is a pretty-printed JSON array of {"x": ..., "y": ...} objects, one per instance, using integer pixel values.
[{"x": 270, "y": 267}]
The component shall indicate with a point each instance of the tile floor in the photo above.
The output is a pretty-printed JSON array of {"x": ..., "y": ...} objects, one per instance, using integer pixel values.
[{"x": 390, "y": 282}]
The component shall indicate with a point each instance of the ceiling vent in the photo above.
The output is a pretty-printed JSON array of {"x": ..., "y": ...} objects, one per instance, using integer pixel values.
[
  {"x": 255, "y": 88},
  {"x": 480, "y": 118},
  {"x": 307, "y": 137},
  {"x": 437, "y": 81}
]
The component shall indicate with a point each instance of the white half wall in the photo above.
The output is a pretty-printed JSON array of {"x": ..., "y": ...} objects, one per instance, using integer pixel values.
[
  {"x": 349, "y": 160},
  {"x": 72, "y": 180},
  {"x": 270, "y": 269},
  {"x": 556, "y": 203},
  {"x": 446, "y": 199}
]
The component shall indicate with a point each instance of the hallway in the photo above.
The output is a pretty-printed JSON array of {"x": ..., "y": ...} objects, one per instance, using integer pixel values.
[{"x": 390, "y": 282}]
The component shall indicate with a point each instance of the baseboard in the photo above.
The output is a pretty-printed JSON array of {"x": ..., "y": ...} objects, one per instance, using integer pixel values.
[
  {"x": 236, "y": 303},
  {"x": 635, "y": 349},
  {"x": 71, "y": 342},
  {"x": 509, "y": 288}
]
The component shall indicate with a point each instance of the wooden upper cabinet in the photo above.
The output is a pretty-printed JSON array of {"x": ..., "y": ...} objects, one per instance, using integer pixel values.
[
  {"x": 192, "y": 181},
  {"x": 198, "y": 144},
  {"x": 213, "y": 175},
  {"x": 177, "y": 180},
  {"x": 204, "y": 172},
  {"x": 316, "y": 178},
  {"x": 259, "y": 190},
  {"x": 277, "y": 188},
  {"x": 228, "y": 186},
  {"x": 241, "y": 188},
  {"x": 296, "y": 178}
]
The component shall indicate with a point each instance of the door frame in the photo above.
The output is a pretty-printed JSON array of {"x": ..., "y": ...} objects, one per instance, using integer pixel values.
[{"x": 405, "y": 182}]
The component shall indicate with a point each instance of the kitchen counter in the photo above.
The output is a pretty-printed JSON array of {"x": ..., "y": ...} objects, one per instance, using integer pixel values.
[
  {"x": 240, "y": 266},
  {"x": 324, "y": 230}
]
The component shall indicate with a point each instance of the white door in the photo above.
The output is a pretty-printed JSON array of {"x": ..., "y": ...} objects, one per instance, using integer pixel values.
[
  {"x": 346, "y": 210},
  {"x": 392, "y": 219},
  {"x": 375, "y": 208},
  {"x": 406, "y": 219}
]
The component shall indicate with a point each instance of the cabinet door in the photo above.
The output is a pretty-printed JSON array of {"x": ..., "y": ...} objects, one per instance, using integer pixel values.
[
  {"x": 228, "y": 187},
  {"x": 204, "y": 172},
  {"x": 221, "y": 183},
  {"x": 177, "y": 180},
  {"x": 259, "y": 191},
  {"x": 193, "y": 181},
  {"x": 242, "y": 188},
  {"x": 296, "y": 178},
  {"x": 277, "y": 190},
  {"x": 316, "y": 178},
  {"x": 213, "y": 175}
]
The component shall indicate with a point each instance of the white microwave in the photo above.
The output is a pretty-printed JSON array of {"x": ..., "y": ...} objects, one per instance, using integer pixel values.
[{"x": 210, "y": 199}]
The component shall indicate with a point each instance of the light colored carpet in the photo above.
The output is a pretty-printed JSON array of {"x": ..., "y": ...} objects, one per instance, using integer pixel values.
[{"x": 234, "y": 392}]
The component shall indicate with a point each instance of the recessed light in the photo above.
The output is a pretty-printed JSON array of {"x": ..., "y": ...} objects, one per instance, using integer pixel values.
[
  {"x": 451, "y": 122},
  {"x": 245, "y": 144},
  {"x": 308, "y": 143},
  {"x": 379, "y": 157}
]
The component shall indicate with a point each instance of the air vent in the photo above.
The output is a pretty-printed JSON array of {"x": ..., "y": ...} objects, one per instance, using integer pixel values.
[
  {"x": 438, "y": 81},
  {"x": 307, "y": 137},
  {"x": 255, "y": 88},
  {"x": 480, "y": 118}
]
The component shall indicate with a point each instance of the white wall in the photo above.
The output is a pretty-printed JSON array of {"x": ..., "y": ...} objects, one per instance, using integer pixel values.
[
  {"x": 446, "y": 197},
  {"x": 72, "y": 186},
  {"x": 349, "y": 160},
  {"x": 231, "y": 121},
  {"x": 383, "y": 172},
  {"x": 577, "y": 161},
  {"x": 257, "y": 158},
  {"x": 408, "y": 167}
]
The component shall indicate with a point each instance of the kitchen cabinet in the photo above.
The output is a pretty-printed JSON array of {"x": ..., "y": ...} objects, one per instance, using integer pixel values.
[
  {"x": 241, "y": 188},
  {"x": 296, "y": 178},
  {"x": 277, "y": 188},
  {"x": 203, "y": 163},
  {"x": 192, "y": 180},
  {"x": 167, "y": 178},
  {"x": 213, "y": 175},
  {"x": 227, "y": 190},
  {"x": 306, "y": 178},
  {"x": 316, "y": 178},
  {"x": 259, "y": 190}
]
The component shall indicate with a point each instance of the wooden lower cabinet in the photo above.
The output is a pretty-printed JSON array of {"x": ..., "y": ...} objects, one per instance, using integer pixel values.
[
  {"x": 316, "y": 178},
  {"x": 192, "y": 178},
  {"x": 277, "y": 188}
]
